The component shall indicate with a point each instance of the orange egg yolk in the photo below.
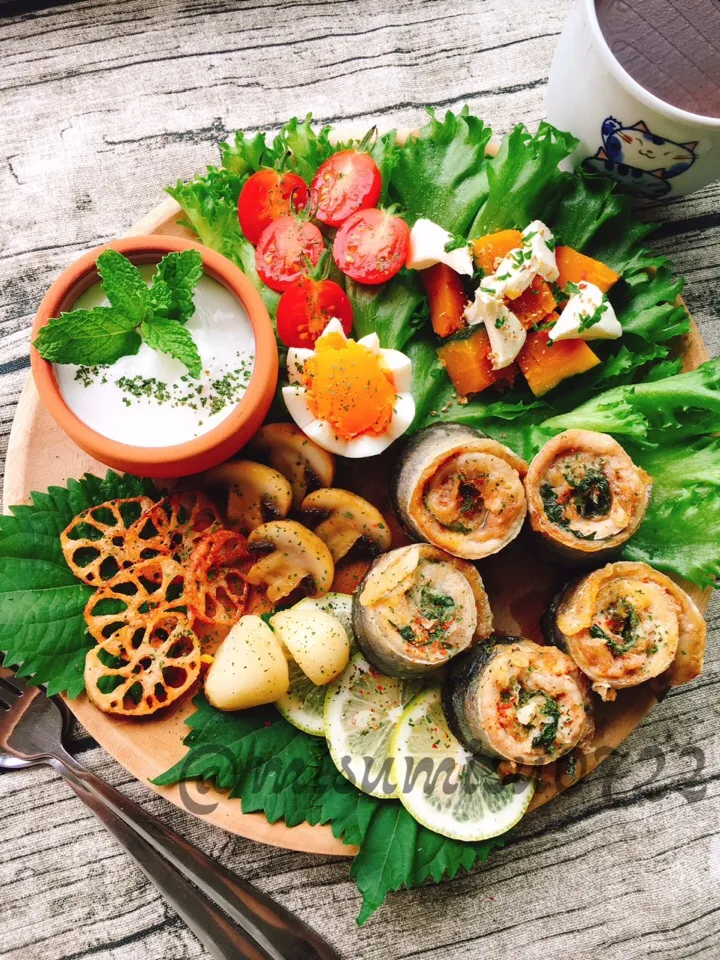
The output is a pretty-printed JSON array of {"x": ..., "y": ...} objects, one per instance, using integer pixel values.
[{"x": 348, "y": 386}]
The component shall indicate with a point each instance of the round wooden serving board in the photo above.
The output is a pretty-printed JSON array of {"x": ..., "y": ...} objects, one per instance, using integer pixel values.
[{"x": 40, "y": 454}]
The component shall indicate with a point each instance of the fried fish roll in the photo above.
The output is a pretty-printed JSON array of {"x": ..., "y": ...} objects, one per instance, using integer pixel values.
[
  {"x": 626, "y": 623},
  {"x": 417, "y": 608},
  {"x": 518, "y": 700},
  {"x": 460, "y": 491},
  {"x": 585, "y": 496}
]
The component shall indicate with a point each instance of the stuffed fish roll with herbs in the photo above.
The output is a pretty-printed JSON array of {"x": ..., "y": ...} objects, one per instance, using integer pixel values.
[
  {"x": 585, "y": 496},
  {"x": 515, "y": 699},
  {"x": 417, "y": 608},
  {"x": 459, "y": 490},
  {"x": 626, "y": 623}
]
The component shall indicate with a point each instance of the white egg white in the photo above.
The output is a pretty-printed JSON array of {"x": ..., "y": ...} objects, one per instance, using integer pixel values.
[{"x": 322, "y": 432}]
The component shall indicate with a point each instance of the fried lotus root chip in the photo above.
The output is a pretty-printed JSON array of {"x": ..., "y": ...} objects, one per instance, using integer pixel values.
[
  {"x": 172, "y": 526},
  {"x": 152, "y": 586},
  {"x": 142, "y": 671},
  {"x": 216, "y": 590},
  {"x": 94, "y": 542}
]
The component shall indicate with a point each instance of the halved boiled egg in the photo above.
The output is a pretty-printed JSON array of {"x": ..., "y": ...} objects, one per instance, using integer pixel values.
[{"x": 351, "y": 397}]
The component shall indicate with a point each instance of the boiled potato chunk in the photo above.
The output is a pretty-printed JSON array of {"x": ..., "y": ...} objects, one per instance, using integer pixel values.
[
  {"x": 316, "y": 641},
  {"x": 249, "y": 668}
]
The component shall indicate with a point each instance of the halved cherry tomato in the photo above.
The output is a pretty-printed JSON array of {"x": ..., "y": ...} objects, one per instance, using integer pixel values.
[
  {"x": 266, "y": 196},
  {"x": 348, "y": 181},
  {"x": 371, "y": 246},
  {"x": 282, "y": 248},
  {"x": 306, "y": 308}
]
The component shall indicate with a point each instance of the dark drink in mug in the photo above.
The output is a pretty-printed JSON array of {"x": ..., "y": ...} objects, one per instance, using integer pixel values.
[{"x": 629, "y": 79}]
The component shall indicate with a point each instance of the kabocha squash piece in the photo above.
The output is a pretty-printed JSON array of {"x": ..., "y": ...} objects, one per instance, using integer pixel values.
[
  {"x": 114, "y": 610},
  {"x": 249, "y": 668},
  {"x": 298, "y": 558},
  {"x": 417, "y": 608},
  {"x": 545, "y": 365},
  {"x": 136, "y": 674},
  {"x": 585, "y": 496},
  {"x": 316, "y": 640},
  {"x": 626, "y": 623},
  {"x": 467, "y": 361},
  {"x": 254, "y": 493},
  {"x": 489, "y": 250},
  {"x": 306, "y": 465},
  {"x": 345, "y": 519},
  {"x": 516, "y": 699},
  {"x": 215, "y": 585},
  {"x": 459, "y": 490},
  {"x": 172, "y": 526},
  {"x": 94, "y": 542},
  {"x": 446, "y": 298},
  {"x": 574, "y": 267},
  {"x": 535, "y": 304}
]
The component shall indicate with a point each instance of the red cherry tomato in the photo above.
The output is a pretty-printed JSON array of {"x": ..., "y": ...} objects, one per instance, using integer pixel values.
[
  {"x": 348, "y": 181},
  {"x": 266, "y": 196},
  {"x": 306, "y": 308},
  {"x": 282, "y": 248},
  {"x": 371, "y": 246}
]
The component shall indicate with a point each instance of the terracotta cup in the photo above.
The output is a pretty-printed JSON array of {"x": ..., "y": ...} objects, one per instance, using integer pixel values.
[{"x": 179, "y": 459}]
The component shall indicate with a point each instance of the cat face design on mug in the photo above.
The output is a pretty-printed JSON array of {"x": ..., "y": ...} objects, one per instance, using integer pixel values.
[{"x": 639, "y": 159}]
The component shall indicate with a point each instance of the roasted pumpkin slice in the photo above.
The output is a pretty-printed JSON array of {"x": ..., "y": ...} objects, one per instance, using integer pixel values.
[
  {"x": 574, "y": 267},
  {"x": 545, "y": 364},
  {"x": 532, "y": 306},
  {"x": 94, "y": 543},
  {"x": 467, "y": 361},
  {"x": 446, "y": 298},
  {"x": 489, "y": 250}
]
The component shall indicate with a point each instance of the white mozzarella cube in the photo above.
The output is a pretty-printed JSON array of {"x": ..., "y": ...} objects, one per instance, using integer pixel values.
[
  {"x": 505, "y": 332},
  {"x": 427, "y": 247},
  {"x": 536, "y": 237},
  {"x": 588, "y": 303}
]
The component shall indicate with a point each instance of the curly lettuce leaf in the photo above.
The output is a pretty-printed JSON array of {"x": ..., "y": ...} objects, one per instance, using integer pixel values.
[
  {"x": 523, "y": 182},
  {"x": 440, "y": 172},
  {"x": 388, "y": 309},
  {"x": 679, "y": 532}
]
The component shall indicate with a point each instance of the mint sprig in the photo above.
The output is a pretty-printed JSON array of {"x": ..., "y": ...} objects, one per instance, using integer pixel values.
[{"x": 137, "y": 313}]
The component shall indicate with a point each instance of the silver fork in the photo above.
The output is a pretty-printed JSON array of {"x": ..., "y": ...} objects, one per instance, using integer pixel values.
[{"x": 32, "y": 729}]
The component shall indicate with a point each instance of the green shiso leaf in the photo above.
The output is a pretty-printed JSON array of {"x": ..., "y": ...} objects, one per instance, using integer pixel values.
[
  {"x": 288, "y": 775},
  {"x": 42, "y": 630}
]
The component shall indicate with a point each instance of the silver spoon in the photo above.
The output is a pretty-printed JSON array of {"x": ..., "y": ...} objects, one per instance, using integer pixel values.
[{"x": 32, "y": 729}]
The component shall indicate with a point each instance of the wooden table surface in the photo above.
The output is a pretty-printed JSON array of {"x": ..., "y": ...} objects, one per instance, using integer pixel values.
[{"x": 102, "y": 104}]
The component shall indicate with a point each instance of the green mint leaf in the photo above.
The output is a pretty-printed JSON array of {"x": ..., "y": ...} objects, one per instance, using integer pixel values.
[
  {"x": 88, "y": 337},
  {"x": 42, "y": 630},
  {"x": 172, "y": 338},
  {"x": 123, "y": 286},
  {"x": 174, "y": 284}
]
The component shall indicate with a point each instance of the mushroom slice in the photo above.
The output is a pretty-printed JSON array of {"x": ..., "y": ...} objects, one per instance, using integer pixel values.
[
  {"x": 306, "y": 465},
  {"x": 255, "y": 493},
  {"x": 346, "y": 519},
  {"x": 298, "y": 557}
]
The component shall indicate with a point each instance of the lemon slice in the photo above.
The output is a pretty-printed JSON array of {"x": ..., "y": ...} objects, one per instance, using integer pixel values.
[
  {"x": 361, "y": 709},
  {"x": 303, "y": 704},
  {"x": 445, "y": 788}
]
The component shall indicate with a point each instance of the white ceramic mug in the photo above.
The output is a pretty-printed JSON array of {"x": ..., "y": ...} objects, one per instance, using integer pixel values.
[{"x": 654, "y": 149}]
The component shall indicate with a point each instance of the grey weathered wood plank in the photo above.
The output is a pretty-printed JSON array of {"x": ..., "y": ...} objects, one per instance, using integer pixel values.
[{"x": 101, "y": 104}]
